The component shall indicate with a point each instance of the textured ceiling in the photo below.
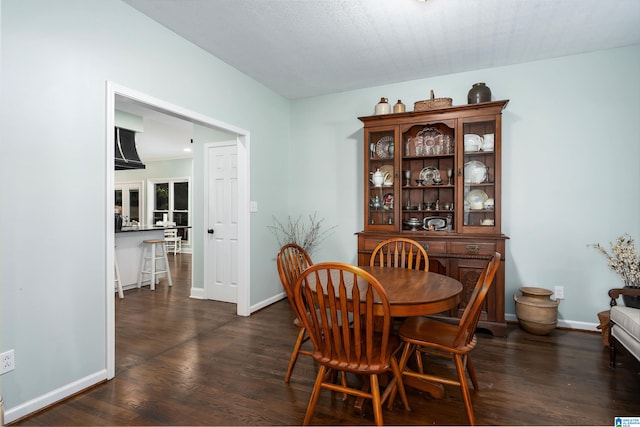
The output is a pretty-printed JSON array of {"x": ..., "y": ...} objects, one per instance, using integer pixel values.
[{"x": 302, "y": 48}]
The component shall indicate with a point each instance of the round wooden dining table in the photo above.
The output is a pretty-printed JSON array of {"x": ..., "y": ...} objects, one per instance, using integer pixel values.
[{"x": 417, "y": 292}]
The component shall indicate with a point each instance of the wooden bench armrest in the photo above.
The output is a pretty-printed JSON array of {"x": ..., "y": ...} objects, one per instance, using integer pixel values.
[{"x": 616, "y": 292}]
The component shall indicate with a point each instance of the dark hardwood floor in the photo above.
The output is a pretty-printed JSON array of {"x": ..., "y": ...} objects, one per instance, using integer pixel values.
[{"x": 181, "y": 361}]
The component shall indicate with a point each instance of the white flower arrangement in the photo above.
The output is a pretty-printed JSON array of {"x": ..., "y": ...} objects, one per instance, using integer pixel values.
[{"x": 623, "y": 259}]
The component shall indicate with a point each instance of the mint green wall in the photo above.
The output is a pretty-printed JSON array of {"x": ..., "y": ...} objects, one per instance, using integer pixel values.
[
  {"x": 571, "y": 167},
  {"x": 571, "y": 173},
  {"x": 56, "y": 58}
]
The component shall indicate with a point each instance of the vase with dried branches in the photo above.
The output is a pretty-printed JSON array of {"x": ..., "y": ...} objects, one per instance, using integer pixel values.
[{"x": 308, "y": 235}]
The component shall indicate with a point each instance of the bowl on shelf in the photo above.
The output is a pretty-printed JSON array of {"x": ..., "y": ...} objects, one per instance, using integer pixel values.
[{"x": 413, "y": 223}]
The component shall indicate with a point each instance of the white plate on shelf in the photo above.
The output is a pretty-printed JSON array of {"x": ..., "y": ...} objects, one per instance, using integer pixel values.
[
  {"x": 475, "y": 172},
  {"x": 476, "y": 199},
  {"x": 382, "y": 147},
  {"x": 435, "y": 223},
  {"x": 429, "y": 174},
  {"x": 387, "y": 169}
]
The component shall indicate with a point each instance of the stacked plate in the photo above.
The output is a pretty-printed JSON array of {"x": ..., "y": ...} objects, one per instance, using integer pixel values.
[{"x": 475, "y": 172}]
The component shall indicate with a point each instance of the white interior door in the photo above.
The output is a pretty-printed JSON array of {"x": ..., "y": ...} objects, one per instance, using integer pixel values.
[{"x": 221, "y": 265}]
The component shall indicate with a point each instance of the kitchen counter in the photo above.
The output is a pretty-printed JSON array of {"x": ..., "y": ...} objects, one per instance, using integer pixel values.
[
  {"x": 128, "y": 229},
  {"x": 128, "y": 250}
]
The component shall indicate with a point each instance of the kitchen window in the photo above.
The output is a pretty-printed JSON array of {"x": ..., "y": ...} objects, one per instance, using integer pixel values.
[{"x": 171, "y": 198}]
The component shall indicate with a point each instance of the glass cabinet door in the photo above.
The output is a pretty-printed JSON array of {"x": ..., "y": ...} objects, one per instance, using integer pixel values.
[
  {"x": 380, "y": 203},
  {"x": 428, "y": 180},
  {"x": 480, "y": 172}
]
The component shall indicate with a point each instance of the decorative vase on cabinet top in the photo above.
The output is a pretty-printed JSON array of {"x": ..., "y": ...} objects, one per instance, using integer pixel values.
[
  {"x": 383, "y": 107},
  {"x": 479, "y": 93},
  {"x": 399, "y": 107},
  {"x": 536, "y": 311}
]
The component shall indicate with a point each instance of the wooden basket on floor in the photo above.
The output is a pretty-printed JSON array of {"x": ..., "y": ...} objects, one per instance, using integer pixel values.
[
  {"x": 603, "y": 316},
  {"x": 432, "y": 103}
]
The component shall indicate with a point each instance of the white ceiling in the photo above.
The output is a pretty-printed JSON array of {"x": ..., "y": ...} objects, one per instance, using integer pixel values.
[
  {"x": 164, "y": 136},
  {"x": 302, "y": 48}
]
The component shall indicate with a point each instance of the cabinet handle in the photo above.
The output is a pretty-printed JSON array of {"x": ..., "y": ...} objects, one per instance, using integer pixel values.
[
  {"x": 473, "y": 249},
  {"x": 425, "y": 246}
]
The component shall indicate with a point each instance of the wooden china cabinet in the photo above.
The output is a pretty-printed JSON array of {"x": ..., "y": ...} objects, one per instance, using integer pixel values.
[{"x": 441, "y": 180}]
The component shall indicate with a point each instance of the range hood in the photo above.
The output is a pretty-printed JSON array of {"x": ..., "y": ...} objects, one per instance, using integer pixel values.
[{"x": 126, "y": 155}]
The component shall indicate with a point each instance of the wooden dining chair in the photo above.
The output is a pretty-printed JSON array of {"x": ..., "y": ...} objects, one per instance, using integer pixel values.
[
  {"x": 400, "y": 252},
  {"x": 454, "y": 341},
  {"x": 343, "y": 333},
  {"x": 291, "y": 261}
]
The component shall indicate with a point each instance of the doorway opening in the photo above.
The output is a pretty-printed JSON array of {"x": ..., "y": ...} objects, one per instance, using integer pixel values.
[{"x": 115, "y": 93}]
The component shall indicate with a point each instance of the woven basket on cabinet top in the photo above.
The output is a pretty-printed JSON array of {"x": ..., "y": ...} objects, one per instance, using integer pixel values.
[{"x": 429, "y": 104}]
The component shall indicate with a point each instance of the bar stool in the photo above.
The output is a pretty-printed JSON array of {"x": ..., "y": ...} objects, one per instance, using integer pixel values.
[
  {"x": 117, "y": 280},
  {"x": 154, "y": 250}
]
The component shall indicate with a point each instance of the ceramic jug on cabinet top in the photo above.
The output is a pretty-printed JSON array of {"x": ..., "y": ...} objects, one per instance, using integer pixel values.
[{"x": 383, "y": 107}]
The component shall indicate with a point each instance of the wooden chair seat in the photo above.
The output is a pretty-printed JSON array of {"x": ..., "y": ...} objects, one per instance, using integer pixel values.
[
  {"x": 363, "y": 365},
  {"x": 441, "y": 335},
  {"x": 453, "y": 341}
]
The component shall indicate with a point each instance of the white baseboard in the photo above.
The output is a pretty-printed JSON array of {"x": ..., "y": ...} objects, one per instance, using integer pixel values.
[
  {"x": 569, "y": 324},
  {"x": 268, "y": 302},
  {"x": 33, "y": 405},
  {"x": 197, "y": 293}
]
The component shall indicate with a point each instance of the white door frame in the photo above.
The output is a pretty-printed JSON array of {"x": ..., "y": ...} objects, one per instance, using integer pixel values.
[{"x": 242, "y": 138}]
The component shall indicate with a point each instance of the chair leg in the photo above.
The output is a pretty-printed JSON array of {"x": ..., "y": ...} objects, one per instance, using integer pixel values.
[
  {"x": 315, "y": 394},
  {"x": 472, "y": 372},
  {"x": 419, "y": 360},
  {"x": 375, "y": 398},
  {"x": 399, "y": 385},
  {"x": 408, "y": 348},
  {"x": 343, "y": 381},
  {"x": 144, "y": 254},
  {"x": 464, "y": 387},
  {"x": 294, "y": 354},
  {"x": 152, "y": 284},
  {"x": 117, "y": 273},
  {"x": 166, "y": 265}
]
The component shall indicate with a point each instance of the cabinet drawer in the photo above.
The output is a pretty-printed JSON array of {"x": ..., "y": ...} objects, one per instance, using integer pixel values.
[
  {"x": 438, "y": 247},
  {"x": 472, "y": 248},
  {"x": 370, "y": 244},
  {"x": 434, "y": 247}
]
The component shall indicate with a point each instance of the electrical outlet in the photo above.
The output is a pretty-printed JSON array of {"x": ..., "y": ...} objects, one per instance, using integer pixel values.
[
  {"x": 7, "y": 362},
  {"x": 559, "y": 292}
]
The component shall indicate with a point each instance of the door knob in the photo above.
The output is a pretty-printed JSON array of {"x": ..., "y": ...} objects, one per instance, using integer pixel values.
[{"x": 210, "y": 231}]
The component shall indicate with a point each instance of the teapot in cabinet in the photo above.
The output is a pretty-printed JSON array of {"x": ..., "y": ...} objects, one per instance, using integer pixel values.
[{"x": 378, "y": 178}]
